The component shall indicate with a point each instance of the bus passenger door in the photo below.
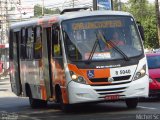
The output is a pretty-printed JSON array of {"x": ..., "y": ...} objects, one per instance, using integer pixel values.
[
  {"x": 14, "y": 63},
  {"x": 58, "y": 74},
  {"x": 46, "y": 39}
]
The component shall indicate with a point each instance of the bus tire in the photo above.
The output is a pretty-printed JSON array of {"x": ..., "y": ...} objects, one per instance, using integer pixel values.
[
  {"x": 35, "y": 103},
  {"x": 132, "y": 103},
  {"x": 64, "y": 107}
]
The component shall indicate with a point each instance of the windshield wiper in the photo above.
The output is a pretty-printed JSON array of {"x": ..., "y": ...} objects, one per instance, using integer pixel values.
[
  {"x": 93, "y": 50},
  {"x": 114, "y": 46}
]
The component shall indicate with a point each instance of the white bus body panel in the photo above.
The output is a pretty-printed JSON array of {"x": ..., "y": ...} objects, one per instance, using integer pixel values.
[
  {"x": 80, "y": 93},
  {"x": 31, "y": 75}
]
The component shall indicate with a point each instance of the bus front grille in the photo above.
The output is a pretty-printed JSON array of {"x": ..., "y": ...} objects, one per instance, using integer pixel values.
[
  {"x": 117, "y": 87},
  {"x": 103, "y": 92},
  {"x": 121, "y": 78},
  {"x": 116, "y": 83}
]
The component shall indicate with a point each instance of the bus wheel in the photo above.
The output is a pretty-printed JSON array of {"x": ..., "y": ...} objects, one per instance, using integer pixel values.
[
  {"x": 64, "y": 107},
  {"x": 132, "y": 103},
  {"x": 36, "y": 103}
]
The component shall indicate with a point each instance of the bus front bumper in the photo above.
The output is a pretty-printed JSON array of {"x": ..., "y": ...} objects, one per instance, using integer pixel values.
[{"x": 81, "y": 93}]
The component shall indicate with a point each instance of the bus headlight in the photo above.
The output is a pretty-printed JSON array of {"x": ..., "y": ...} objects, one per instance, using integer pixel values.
[
  {"x": 140, "y": 73},
  {"x": 74, "y": 77},
  {"x": 81, "y": 80},
  {"x": 77, "y": 78}
]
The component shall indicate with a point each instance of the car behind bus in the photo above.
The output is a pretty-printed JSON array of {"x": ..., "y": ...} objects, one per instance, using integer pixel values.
[{"x": 154, "y": 73}]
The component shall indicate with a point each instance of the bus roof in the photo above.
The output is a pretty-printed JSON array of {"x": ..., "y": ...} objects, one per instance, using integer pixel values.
[
  {"x": 66, "y": 16},
  {"x": 72, "y": 15}
]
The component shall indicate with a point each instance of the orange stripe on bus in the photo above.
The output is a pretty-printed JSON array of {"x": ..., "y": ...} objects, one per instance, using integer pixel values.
[
  {"x": 40, "y": 21},
  {"x": 74, "y": 68},
  {"x": 53, "y": 20},
  {"x": 98, "y": 73},
  {"x": 64, "y": 95},
  {"x": 43, "y": 93}
]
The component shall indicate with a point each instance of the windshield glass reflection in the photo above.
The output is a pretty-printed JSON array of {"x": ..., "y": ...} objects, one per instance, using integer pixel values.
[{"x": 84, "y": 36}]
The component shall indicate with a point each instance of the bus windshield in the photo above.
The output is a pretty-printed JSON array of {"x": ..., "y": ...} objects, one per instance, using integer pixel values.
[{"x": 101, "y": 38}]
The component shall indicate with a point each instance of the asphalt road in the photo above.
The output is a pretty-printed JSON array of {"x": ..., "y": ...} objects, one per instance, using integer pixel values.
[{"x": 13, "y": 107}]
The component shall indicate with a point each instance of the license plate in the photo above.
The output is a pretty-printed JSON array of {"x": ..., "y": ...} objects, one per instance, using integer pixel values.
[{"x": 112, "y": 97}]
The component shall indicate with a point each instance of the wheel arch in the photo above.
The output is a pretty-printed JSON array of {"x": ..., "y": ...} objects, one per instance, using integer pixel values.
[{"x": 57, "y": 92}]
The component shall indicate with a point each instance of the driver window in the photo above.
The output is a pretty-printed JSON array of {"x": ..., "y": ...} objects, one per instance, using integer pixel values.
[
  {"x": 30, "y": 41},
  {"x": 23, "y": 44},
  {"x": 38, "y": 43},
  {"x": 135, "y": 38},
  {"x": 56, "y": 45}
]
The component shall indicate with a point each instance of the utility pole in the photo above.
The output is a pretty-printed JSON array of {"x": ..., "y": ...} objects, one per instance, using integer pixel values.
[
  {"x": 4, "y": 21},
  {"x": 119, "y": 5},
  {"x": 4, "y": 30},
  {"x": 73, "y": 3},
  {"x": 94, "y": 4},
  {"x": 116, "y": 4},
  {"x": 42, "y": 7},
  {"x": 158, "y": 19},
  {"x": 20, "y": 10}
]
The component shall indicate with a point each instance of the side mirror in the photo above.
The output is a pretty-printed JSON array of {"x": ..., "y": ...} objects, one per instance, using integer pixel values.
[{"x": 141, "y": 30}]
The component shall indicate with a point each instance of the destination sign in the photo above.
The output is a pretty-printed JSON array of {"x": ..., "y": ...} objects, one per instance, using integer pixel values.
[{"x": 96, "y": 25}]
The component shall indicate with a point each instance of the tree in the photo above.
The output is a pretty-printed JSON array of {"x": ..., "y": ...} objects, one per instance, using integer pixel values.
[
  {"x": 38, "y": 10},
  {"x": 158, "y": 19},
  {"x": 144, "y": 12},
  {"x": 115, "y": 4}
]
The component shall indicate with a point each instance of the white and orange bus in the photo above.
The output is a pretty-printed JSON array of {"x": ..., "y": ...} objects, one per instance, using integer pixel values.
[{"x": 63, "y": 58}]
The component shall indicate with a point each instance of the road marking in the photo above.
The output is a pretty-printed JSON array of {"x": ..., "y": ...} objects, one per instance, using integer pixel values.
[
  {"x": 147, "y": 107},
  {"x": 29, "y": 117}
]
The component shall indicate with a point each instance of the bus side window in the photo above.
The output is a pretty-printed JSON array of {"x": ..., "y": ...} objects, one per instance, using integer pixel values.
[
  {"x": 38, "y": 43},
  {"x": 30, "y": 41},
  {"x": 23, "y": 44},
  {"x": 56, "y": 45}
]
